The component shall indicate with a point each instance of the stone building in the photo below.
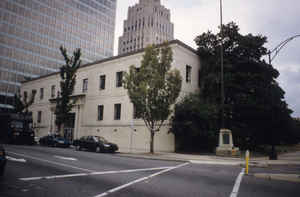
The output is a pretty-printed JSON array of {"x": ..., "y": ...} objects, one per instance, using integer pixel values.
[
  {"x": 103, "y": 107},
  {"x": 148, "y": 22}
]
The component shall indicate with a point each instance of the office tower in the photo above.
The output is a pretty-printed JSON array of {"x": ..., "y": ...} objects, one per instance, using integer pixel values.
[
  {"x": 148, "y": 22},
  {"x": 33, "y": 30}
]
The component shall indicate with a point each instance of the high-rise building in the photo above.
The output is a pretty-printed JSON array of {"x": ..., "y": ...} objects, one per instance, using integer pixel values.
[
  {"x": 33, "y": 30},
  {"x": 148, "y": 22}
]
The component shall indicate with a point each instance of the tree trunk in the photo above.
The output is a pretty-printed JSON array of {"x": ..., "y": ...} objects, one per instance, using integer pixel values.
[
  {"x": 60, "y": 129},
  {"x": 152, "y": 142},
  {"x": 273, "y": 154}
]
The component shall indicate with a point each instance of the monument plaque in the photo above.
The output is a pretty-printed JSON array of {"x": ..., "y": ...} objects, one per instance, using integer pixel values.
[
  {"x": 226, "y": 147},
  {"x": 226, "y": 139}
]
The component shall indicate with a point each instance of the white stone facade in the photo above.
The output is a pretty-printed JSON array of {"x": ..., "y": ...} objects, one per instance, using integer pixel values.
[
  {"x": 148, "y": 22},
  {"x": 130, "y": 134}
]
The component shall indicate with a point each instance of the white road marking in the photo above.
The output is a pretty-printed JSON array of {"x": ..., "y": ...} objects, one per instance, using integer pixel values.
[
  {"x": 238, "y": 181},
  {"x": 91, "y": 174},
  {"x": 52, "y": 162},
  {"x": 140, "y": 180},
  {"x": 65, "y": 158},
  {"x": 15, "y": 159},
  {"x": 216, "y": 162}
]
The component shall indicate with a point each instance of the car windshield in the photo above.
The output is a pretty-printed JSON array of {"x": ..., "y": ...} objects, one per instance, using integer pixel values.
[{"x": 98, "y": 139}]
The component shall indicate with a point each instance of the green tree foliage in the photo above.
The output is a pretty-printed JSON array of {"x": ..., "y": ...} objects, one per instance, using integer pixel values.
[
  {"x": 296, "y": 129},
  {"x": 195, "y": 124},
  {"x": 67, "y": 83},
  {"x": 21, "y": 105},
  {"x": 255, "y": 109},
  {"x": 254, "y": 102},
  {"x": 153, "y": 88}
]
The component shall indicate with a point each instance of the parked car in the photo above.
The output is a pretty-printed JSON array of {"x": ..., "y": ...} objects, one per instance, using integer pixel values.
[
  {"x": 95, "y": 143},
  {"x": 54, "y": 141},
  {"x": 2, "y": 160}
]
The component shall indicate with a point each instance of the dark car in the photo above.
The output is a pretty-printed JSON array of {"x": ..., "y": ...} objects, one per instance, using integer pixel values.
[
  {"x": 2, "y": 160},
  {"x": 95, "y": 143},
  {"x": 54, "y": 141}
]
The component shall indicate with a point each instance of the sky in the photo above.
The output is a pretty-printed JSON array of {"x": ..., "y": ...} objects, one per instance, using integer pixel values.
[{"x": 276, "y": 19}]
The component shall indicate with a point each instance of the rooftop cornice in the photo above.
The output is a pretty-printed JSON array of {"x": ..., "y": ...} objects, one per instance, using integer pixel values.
[{"x": 173, "y": 42}]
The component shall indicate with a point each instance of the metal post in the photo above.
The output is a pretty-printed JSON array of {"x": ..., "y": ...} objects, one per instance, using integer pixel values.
[
  {"x": 276, "y": 50},
  {"x": 222, "y": 68},
  {"x": 247, "y": 161}
]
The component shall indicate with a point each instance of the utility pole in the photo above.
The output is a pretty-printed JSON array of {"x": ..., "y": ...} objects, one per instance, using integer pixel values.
[
  {"x": 226, "y": 146},
  {"x": 222, "y": 67}
]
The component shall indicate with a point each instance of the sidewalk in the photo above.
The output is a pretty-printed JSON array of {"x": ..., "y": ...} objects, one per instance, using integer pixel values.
[
  {"x": 283, "y": 159},
  {"x": 287, "y": 159}
]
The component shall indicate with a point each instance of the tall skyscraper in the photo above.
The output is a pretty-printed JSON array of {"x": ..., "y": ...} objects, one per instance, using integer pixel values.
[
  {"x": 148, "y": 22},
  {"x": 31, "y": 32}
]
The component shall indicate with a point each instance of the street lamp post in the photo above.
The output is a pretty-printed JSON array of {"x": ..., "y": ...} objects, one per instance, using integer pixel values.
[
  {"x": 278, "y": 48},
  {"x": 225, "y": 147},
  {"x": 275, "y": 51},
  {"x": 222, "y": 67}
]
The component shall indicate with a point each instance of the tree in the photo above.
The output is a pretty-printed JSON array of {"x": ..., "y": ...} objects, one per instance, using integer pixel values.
[
  {"x": 153, "y": 88},
  {"x": 21, "y": 105},
  {"x": 255, "y": 108},
  {"x": 195, "y": 124},
  {"x": 67, "y": 83}
]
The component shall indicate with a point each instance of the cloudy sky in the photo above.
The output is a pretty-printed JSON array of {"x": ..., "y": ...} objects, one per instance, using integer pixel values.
[{"x": 276, "y": 19}]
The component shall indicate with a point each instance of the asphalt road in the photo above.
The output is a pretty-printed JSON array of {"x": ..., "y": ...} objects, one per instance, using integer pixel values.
[{"x": 34, "y": 171}]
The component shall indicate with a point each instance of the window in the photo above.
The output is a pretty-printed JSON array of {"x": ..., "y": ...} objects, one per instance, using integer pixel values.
[
  {"x": 25, "y": 96},
  {"x": 117, "y": 114},
  {"x": 102, "y": 82},
  {"x": 52, "y": 91},
  {"x": 39, "y": 118},
  {"x": 119, "y": 77},
  {"x": 84, "y": 85},
  {"x": 33, "y": 93},
  {"x": 188, "y": 76},
  {"x": 41, "y": 93},
  {"x": 137, "y": 69},
  {"x": 100, "y": 112}
]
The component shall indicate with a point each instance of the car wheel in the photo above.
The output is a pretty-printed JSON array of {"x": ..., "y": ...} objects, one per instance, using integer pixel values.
[{"x": 98, "y": 149}]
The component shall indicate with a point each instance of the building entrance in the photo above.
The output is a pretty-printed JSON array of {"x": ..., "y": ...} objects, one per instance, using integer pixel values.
[{"x": 69, "y": 127}]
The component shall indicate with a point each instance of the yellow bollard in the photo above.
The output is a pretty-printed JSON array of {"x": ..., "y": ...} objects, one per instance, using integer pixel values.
[{"x": 247, "y": 161}]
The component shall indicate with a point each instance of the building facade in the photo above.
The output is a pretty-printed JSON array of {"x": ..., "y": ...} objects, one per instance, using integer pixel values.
[
  {"x": 148, "y": 22},
  {"x": 33, "y": 30},
  {"x": 103, "y": 107}
]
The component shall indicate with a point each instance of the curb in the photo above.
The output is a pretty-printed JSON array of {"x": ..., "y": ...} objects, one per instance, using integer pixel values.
[
  {"x": 256, "y": 164},
  {"x": 150, "y": 158},
  {"x": 212, "y": 162},
  {"x": 281, "y": 177},
  {"x": 259, "y": 164}
]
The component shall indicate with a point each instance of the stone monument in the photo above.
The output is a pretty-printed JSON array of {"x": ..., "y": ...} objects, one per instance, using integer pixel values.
[{"x": 226, "y": 147}]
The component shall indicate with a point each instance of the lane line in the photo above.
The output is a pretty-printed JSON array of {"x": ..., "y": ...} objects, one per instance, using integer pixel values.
[
  {"x": 52, "y": 162},
  {"x": 140, "y": 180},
  {"x": 238, "y": 181},
  {"x": 15, "y": 159},
  {"x": 91, "y": 174},
  {"x": 65, "y": 158}
]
